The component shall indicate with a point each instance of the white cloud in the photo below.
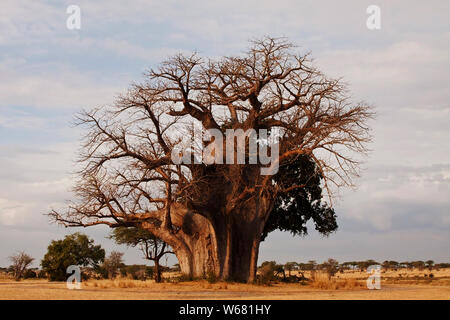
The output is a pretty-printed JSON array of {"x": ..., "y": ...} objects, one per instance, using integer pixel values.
[
  {"x": 23, "y": 121},
  {"x": 394, "y": 197},
  {"x": 12, "y": 212},
  {"x": 55, "y": 86},
  {"x": 403, "y": 74}
]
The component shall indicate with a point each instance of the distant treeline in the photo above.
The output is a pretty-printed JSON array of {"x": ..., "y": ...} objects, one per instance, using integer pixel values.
[
  {"x": 268, "y": 269},
  {"x": 334, "y": 265},
  {"x": 134, "y": 271}
]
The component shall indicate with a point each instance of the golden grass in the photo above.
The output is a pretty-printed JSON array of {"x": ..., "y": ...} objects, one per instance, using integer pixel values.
[
  {"x": 119, "y": 282},
  {"x": 321, "y": 281},
  {"x": 392, "y": 276},
  {"x": 148, "y": 290},
  {"x": 123, "y": 282},
  {"x": 348, "y": 285}
]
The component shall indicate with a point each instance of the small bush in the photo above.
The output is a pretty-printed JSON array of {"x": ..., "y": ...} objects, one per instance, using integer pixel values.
[
  {"x": 266, "y": 274},
  {"x": 211, "y": 277},
  {"x": 30, "y": 274}
]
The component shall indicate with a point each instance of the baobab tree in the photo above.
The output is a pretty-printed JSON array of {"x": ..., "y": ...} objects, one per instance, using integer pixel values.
[{"x": 213, "y": 214}]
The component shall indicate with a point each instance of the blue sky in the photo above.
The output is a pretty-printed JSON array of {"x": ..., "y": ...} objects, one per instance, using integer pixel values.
[{"x": 400, "y": 208}]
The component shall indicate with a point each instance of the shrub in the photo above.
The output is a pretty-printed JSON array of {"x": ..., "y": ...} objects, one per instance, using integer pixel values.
[
  {"x": 211, "y": 277},
  {"x": 29, "y": 274},
  {"x": 74, "y": 249},
  {"x": 267, "y": 272}
]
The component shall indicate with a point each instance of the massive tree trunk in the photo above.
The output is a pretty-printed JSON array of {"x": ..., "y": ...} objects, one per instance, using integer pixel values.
[
  {"x": 224, "y": 244},
  {"x": 230, "y": 252}
]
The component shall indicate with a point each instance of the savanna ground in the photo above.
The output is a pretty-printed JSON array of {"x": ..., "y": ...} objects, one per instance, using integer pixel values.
[{"x": 404, "y": 285}]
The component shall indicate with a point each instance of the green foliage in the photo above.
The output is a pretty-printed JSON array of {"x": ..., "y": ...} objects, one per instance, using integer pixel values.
[
  {"x": 269, "y": 271},
  {"x": 429, "y": 264},
  {"x": 266, "y": 272},
  {"x": 418, "y": 264},
  {"x": 349, "y": 265},
  {"x": 151, "y": 246},
  {"x": 74, "y": 249},
  {"x": 112, "y": 264},
  {"x": 331, "y": 266},
  {"x": 20, "y": 263},
  {"x": 390, "y": 264},
  {"x": 137, "y": 271},
  {"x": 289, "y": 266},
  {"x": 132, "y": 236},
  {"x": 30, "y": 274},
  {"x": 295, "y": 207}
]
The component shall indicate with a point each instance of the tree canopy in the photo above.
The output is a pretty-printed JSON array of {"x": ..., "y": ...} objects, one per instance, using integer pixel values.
[
  {"x": 151, "y": 246},
  {"x": 75, "y": 249},
  {"x": 20, "y": 262}
]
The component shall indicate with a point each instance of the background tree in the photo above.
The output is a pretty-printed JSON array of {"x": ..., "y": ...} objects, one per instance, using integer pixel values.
[
  {"x": 419, "y": 265},
  {"x": 30, "y": 274},
  {"x": 331, "y": 266},
  {"x": 302, "y": 267},
  {"x": 363, "y": 265},
  {"x": 267, "y": 272},
  {"x": 214, "y": 215},
  {"x": 394, "y": 264},
  {"x": 348, "y": 265},
  {"x": 429, "y": 264},
  {"x": 270, "y": 271},
  {"x": 137, "y": 272},
  {"x": 289, "y": 266},
  {"x": 390, "y": 264},
  {"x": 113, "y": 263},
  {"x": 74, "y": 249},
  {"x": 311, "y": 265},
  {"x": 442, "y": 265},
  {"x": 20, "y": 262},
  {"x": 152, "y": 247}
]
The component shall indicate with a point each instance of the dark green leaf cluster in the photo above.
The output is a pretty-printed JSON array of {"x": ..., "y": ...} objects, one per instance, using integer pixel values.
[{"x": 296, "y": 206}]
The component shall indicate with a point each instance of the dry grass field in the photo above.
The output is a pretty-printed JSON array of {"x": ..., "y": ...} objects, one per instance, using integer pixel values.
[{"x": 402, "y": 285}]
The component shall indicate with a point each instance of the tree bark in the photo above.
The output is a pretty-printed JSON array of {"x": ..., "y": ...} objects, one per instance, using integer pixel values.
[
  {"x": 227, "y": 250},
  {"x": 230, "y": 259},
  {"x": 157, "y": 271},
  {"x": 225, "y": 244}
]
